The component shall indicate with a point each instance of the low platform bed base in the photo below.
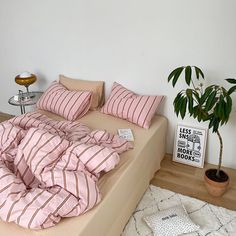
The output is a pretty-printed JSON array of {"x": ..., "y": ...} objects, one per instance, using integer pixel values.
[{"x": 121, "y": 188}]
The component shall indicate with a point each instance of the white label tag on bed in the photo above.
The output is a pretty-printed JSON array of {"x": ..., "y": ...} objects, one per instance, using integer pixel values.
[{"x": 126, "y": 134}]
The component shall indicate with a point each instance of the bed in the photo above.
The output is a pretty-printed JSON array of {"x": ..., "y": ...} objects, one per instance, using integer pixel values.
[{"x": 121, "y": 188}]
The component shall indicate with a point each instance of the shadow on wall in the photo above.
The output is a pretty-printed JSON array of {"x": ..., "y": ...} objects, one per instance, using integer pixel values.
[{"x": 41, "y": 82}]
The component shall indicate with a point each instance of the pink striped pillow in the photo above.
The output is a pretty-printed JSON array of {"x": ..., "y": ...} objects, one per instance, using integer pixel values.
[
  {"x": 69, "y": 104},
  {"x": 127, "y": 105}
]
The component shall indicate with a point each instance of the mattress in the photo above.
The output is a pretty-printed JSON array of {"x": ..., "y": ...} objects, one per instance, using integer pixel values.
[{"x": 121, "y": 188}]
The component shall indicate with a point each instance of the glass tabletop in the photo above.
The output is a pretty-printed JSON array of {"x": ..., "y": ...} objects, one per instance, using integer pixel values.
[{"x": 25, "y": 99}]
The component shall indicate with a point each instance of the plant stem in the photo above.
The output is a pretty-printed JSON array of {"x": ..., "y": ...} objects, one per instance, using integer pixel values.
[
  {"x": 220, "y": 155},
  {"x": 193, "y": 84}
]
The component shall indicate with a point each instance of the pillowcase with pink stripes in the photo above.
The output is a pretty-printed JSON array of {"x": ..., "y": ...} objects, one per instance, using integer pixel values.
[
  {"x": 125, "y": 104},
  {"x": 68, "y": 104}
]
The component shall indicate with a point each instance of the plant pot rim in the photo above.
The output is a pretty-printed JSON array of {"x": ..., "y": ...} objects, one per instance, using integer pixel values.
[{"x": 215, "y": 182}]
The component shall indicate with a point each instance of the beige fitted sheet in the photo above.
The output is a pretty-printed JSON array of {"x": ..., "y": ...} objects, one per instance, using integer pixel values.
[{"x": 121, "y": 188}]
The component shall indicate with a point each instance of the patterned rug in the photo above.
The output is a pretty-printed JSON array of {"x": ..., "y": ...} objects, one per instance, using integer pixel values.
[{"x": 213, "y": 220}]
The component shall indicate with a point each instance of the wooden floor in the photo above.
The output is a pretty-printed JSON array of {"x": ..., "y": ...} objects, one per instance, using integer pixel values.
[
  {"x": 189, "y": 181},
  {"x": 4, "y": 116}
]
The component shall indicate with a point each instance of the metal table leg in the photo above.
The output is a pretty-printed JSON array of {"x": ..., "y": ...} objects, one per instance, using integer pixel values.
[
  {"x": 22, "y": 106},
  {"x": 22, "y": 109}
]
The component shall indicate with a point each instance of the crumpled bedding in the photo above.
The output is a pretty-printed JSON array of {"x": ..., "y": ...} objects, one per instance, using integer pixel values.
[{"x": 49, "y": 169}]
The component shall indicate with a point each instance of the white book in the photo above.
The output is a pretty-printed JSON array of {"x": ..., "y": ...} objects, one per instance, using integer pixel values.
[{"x": 126, "y": 134}]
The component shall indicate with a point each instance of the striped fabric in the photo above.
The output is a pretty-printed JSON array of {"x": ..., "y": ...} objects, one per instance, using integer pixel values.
[
  {"x": 49, "y": 169},
  {"x": 68, "y": 104},
  {"x": 127, "y": 105},
  {"x": 102, "y": 138},
  {"x": 72, "y": 131}
]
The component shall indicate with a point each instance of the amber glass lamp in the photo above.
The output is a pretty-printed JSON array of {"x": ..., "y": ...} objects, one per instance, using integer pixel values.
[{"x": 26, "y": 79}]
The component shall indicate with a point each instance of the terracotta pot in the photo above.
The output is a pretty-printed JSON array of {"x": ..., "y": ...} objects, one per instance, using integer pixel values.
[{"x": 216, "y": 186}]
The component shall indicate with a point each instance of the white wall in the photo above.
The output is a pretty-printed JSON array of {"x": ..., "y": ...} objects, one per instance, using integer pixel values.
[{"x": 134, "y": 42}]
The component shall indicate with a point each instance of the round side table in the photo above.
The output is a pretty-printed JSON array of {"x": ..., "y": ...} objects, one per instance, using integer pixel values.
[{"x": 25, "y": 99}]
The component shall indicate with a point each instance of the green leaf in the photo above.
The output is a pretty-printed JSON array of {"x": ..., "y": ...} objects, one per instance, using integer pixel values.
[
  {"x": 190, "y": 105},
  {"x": 219, "y": 109},
  {"x": 199, "y": 113},
  {"x": 172, "y": 74},
  {"x": 195, "y": 111},
  {"x": 196, "y": 95},
  {"x": 211, "y": 122},
  {"x": 189, "y": 92},
  {"x": 210, "y": 102},
  {"x": 205, "y": 117},
  {"x": 208, "y": 117},
  {"x": 222, "y": 108},
  {"x": 199, "y": 117},
  {"x": 176, "y": 106},
  {"x": 207, "y": 92},
  {"x": 183, "y": 108},
  {"x": 232, "y": 90},
  {"x": 190, "y": 101},
  {"x": 231, "y": 81},
  {"x": 176, "y": 76},
  {"x": 188, "y": 74},
  {"x": 177, "y": 103},
  {"x": 214, "y": 123},
  {"x": 228, "y": 105},
  {"x": 198, "y": 72}
]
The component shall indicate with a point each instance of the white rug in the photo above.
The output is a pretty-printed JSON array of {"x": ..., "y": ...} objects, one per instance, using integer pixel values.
[{"x": 213, "y": 220}]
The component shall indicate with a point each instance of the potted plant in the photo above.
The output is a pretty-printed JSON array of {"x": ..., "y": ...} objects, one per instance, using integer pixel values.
[{"x": 212, "y": 104}]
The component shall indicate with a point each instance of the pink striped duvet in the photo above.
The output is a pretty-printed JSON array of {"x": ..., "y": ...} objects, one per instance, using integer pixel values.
[{"x": 49, "y": 169}]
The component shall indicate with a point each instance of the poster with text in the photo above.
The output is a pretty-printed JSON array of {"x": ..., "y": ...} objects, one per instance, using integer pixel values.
[{"x": 190, "y": 145}]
